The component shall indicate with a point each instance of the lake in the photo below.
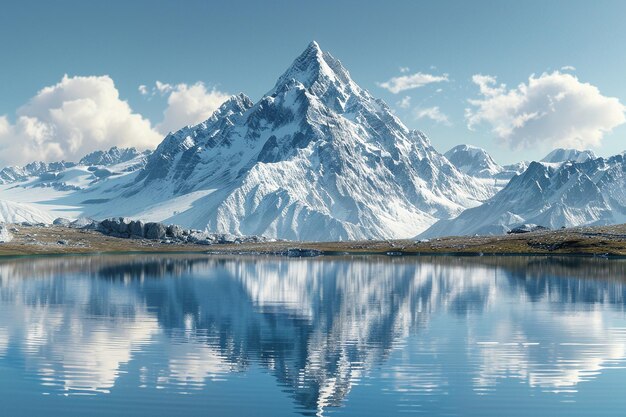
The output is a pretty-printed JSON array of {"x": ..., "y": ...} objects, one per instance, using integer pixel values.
[{"x": 190, "y": 335}]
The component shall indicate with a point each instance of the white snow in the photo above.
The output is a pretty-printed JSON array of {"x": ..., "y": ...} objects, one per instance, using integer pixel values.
[
  {"x": 317, "y": 158},
  {"x": 5, "y": 234},
  {"x": 11, "y": 212},
  {"x": 551, "y": 195}
]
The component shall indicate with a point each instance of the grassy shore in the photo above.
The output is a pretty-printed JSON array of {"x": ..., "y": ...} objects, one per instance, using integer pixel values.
[{"x": 599, "y": 240}]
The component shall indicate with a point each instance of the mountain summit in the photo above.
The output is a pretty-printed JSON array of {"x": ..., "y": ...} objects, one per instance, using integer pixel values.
[{"x": 316, "y": 158}]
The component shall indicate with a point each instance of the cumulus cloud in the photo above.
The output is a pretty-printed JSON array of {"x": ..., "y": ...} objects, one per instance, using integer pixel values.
[
  {"x": 555, "y": 109},
  {"x": 432, "y": 113},
  {"x": 74, "y": 117},
  {"x": 187, "y": 104},
  {"x": 407, "y": 82},
  {"x": 405, "y": 103}
]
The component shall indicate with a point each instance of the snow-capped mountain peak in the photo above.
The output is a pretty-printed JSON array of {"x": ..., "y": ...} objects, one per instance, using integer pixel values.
[
  {"x": 562, "y": 155},
  {"x": 552, "y": 195},
  {"x": 322, "y": 76},
  {"x": 477, "y": 163},
  {"x": 473, "y": 161},
  {"x": 316, "y": 158}
]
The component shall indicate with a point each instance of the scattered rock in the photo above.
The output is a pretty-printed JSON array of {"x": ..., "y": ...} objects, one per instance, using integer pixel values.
[
  {"x": 84, "y": 223},
  {"x": 62, "y": 221},
  {"x": 126, "y": 228},
  {"x": 302, "y": 253},
  {"x": 527, "y": 228}
]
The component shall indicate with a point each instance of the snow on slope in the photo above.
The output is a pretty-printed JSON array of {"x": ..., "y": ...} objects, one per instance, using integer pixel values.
[
  {"x": 476, "y": 162},
  {"x": 317, "y": 158},
  {"x": 552, "y": 195},
  {"x": 563, "y": 155},
  {"x": 11, "y": 212},
  {"x": 473, "y": 161},
  {"x": 60, "y": 189},
  {"x": 12, "y": 174}
]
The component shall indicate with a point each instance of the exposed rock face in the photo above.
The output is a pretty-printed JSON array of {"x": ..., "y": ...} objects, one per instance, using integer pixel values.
[
  {"x": 13, "y": 174},
  {"x": 155, "y": 231},
  {"x": 113, "y": 156}
]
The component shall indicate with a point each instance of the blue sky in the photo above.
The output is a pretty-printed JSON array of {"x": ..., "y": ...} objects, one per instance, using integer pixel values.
[{"x": 245, "y": 45}]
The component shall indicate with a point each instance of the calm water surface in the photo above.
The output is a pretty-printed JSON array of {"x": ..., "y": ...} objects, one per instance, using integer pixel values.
[{"x": 209, "y": 336}]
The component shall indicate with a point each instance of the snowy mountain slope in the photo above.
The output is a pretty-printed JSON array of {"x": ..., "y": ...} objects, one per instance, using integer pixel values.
[
  {"x": 60, "y": 189},
  {"x": 12, "y": 174},
  {"x": 126, "y": 159},
  {"x": 113, "y": 156},
  {"x": 317, "y": 158},
  {"x": 563, "y": 155},
  {"x": 476, "y": 162},
  {"x": 473, "y": 161},
  {"x": 11, "y": 212},
  {"x": 551, "y": 195}
]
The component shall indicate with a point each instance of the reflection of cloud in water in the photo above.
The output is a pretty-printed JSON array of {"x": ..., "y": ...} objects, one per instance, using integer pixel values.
[
  {"x": 52, "y": 322},
  {"x": 4, "y": 341},
  {"x": 192, "y": 360},
  {"x": 572, "y": 349},
  {"x": 318, "y": 326}
]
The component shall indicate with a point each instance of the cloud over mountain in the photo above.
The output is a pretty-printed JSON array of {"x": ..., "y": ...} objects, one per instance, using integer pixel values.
[
  {"x": 555, "y": 109},
  {"x": 188, "y": 105},
  {"x": 408, "y": 82},
  {"x": 67, "y": 120}
]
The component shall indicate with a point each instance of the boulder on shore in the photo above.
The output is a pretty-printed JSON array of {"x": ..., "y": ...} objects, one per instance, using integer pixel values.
[
  {"x": 126, "y": 228},
  {"x": 527, "y": 228},
  {"x": 155, "y": 231}
]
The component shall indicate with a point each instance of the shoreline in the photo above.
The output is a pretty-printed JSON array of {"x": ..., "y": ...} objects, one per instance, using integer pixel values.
[{"x": 592, "y": 241}]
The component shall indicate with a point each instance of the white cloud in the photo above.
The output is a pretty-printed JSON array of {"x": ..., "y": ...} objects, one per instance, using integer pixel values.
[
  {"x": 405, "y": 103},
  {"x": 163, "y": 88},
  {"x": 555, "y": 109},
  {"x": 143, "y": 90},
  {"x": 432, "y": 113},
  {"x": 188, "y": 104},
  {"x": 407, "y": 82},
  {"x": 404, "y": 69},
  {"x": 568, "y": 68},
  {"x": 74, "y": 117}
]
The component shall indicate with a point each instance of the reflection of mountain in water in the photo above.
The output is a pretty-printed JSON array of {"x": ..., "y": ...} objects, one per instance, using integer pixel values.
[{"x": 318, "y": 325}]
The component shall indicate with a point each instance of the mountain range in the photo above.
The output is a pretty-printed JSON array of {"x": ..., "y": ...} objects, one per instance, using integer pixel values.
[
  {"x": 316, "y": 158},
  {"x": 556, "y": 194}
]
